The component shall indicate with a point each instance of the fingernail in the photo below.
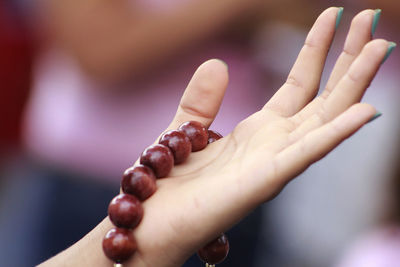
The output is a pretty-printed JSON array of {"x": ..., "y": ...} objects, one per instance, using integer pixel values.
[
  {"x": 391, "y": 46},
  {"x": 375, "y": 21},
  {"x": 377, "y": 115},
  {"x": 338, "y": 17}
]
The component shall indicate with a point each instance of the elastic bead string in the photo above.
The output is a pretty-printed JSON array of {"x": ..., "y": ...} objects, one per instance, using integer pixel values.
[{"x": 139, "y": 183}]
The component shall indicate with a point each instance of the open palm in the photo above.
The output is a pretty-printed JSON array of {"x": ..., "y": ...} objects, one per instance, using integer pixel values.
[{"x": 219, "y": 185}]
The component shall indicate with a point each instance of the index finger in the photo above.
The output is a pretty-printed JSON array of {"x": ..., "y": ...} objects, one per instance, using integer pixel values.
[{"x": 303, "y": 81}]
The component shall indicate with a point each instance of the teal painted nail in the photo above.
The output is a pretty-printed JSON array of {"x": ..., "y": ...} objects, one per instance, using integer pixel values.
[
  {"x": 391, "y": 46},
  {"x": 339, "y": 17},
  {"x": 375, "y": 21},
  {"x": 377, "y": 115}
]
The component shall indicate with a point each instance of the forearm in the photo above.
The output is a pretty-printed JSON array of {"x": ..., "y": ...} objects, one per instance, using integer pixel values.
[
  {"x": 86, "y": 252},
  {"x": 176, "y": 222},
  {"x": 111, "y": 40}
]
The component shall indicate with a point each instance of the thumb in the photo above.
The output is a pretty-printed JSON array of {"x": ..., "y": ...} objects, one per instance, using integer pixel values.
[{"x": 203, "y": 96}]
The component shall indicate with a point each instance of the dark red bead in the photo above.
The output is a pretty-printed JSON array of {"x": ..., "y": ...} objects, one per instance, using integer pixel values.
[
  {"x": 197, "y": 134},
  {"x": 125, "y": 211},
  {"x": 139, "y": 181},
  {"x": 216, "y": 251},
  {"x": 119, "y": 244},
  {"x": 159, "y": 158},
  {"x": 213, "y": 136},
  {"x": 179, "y": 143}
]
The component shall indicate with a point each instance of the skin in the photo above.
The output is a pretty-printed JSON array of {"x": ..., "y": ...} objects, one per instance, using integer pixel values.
[
  {"x": 250, "y": 166},
  {"x": 121, "y": 39},
  {"x": 114, "y": 40}
]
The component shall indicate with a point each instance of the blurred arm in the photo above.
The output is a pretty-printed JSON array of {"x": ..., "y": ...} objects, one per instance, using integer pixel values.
[{"x": 112, "y": 39}]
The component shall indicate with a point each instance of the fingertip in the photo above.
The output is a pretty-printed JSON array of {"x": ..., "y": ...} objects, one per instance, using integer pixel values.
[
  {"x": 331, "y": 10},
  {"x": 218, "y": 61},
  {"x": 339, "y": 17},
  {"x": 364, "y": 111},
  {"x": 377, "y": 115},
  {"x": 324, "y": 26},
  {"x": 334, "y": 13},
  {"x": 377, "y": 47},
  {"x": 364, "y": 106},
  {"x": 365, "y": 16},
  {"x": 204, "y": 93},
  {"x": 370, "y": 110},
  {"x": 367, "y": 111},
  {"x": 390, "y": 47},
  {"x": 329, "y": 14},
  {"x": 215, "y": 64},
  {"x": 213, "y": 71}
]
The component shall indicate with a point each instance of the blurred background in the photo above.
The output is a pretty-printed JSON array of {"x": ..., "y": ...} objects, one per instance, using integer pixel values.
[{"x": 87, "y": 85}]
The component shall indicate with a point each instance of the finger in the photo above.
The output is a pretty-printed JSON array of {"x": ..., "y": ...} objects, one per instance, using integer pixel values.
[
  {"x": 354, "y": 83},
  {"x": 316, "y": 144},
  {"x": 359, "y": 34},
  {"x": 304, "y": 78},
  {"x": 349, "y": 90},
  {"x": 203, "y": 96}
]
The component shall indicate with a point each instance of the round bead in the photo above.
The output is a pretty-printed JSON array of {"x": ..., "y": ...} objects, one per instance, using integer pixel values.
[
  {"x": 119, "y": 244},
  {"x": 197, "y": 134},
  {"x": 159, "y": 158},
  {"x": 179, "y": 143},
  {"x": 125, "y": 211},
  {"x": 215, "y": 251},
  {"x": 213, "y": 136},
  {"x": 139, "y": 181}
]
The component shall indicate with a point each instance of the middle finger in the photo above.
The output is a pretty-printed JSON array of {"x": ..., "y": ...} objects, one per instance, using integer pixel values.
[{"x": 359, "y": 34}]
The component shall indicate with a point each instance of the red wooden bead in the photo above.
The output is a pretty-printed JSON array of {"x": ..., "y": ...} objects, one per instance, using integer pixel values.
[
  {"x": 215, "y": 251},
  {"x": 119, "y": 244},
  {"x": 125, "y": 211},
  {"x": 179, "y": 143},
  {"x": 139, "y": 181},
  {"x": 197, "y": 134},
  {"x": 213, "y": 136},
  {"x": 159, "y": 158}
]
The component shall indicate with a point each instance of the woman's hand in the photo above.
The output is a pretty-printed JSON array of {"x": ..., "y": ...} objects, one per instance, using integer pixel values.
[{"x": 219, "y": 185}]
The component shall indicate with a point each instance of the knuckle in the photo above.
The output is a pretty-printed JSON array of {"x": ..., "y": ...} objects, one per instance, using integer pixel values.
[
  {"x": 334, "y": 129},
  {"x": 352, "y": 77},
  {"x": 321, "y": 115},
  {"x": 348, "y": 53},
  {"x": 293, "y": 81}
]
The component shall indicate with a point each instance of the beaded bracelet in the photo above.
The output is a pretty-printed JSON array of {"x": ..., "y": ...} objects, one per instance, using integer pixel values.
[{"x": 139, "y": 183}]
